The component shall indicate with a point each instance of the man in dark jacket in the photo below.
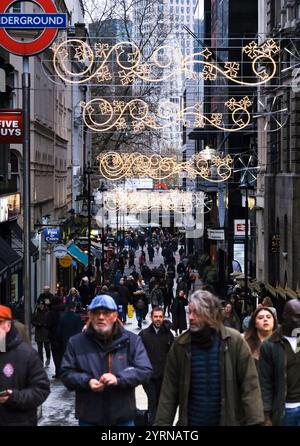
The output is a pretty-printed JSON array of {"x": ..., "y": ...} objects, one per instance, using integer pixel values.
[
  {"x": 23, "y": 378},
  {"x": 103, "y": 365},
  {"x": 70, "y": 324},
  {"x": 210, "y": 373},
  {"x": 157, "y": 339},
  {"x": 279, "y": 370}
]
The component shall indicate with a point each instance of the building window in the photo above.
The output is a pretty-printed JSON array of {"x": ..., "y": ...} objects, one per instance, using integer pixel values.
[{"x": 275, "y": 6}]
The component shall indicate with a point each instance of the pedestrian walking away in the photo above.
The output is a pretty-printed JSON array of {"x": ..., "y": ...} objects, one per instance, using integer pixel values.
[
  {"x": 104, "y": 364},
  {"x": 210, "y": 373},
  {"x": 24, "y": 384}
]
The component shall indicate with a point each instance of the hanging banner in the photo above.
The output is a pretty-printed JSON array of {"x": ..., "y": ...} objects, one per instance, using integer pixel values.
[{"x": 11, "y": 126}]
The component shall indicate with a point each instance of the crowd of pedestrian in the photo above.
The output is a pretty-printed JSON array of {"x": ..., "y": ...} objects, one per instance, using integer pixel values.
[{"x": 218, "y": 360}]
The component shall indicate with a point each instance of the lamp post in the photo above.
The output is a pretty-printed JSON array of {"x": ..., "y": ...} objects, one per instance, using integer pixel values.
[
  {"x": 245, "y": 185},
  {"x": 102, "y": 189},
  {"x": 89, "y": 171},
  {"x": 88, "y": 198}
]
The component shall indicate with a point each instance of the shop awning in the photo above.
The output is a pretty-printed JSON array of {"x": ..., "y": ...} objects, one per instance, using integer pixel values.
[
  {"x": 78, "y": 255},
  {"x": 9, "y": 258},
  {"x": 17, "y": 242}
]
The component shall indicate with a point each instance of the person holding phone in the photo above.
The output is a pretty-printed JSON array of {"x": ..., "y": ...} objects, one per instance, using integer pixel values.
[{"x": 24, "y": 384}]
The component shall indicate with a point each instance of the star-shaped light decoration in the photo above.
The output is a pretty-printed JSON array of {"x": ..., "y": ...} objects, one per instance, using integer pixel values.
[
  {"x": 206, "y": 53},
  {"x": 126, "y": 77},
  {"x": 121, "y": 124},
  {"x": 101, "y": 49},
  {"x": 275, "y": 117},
  {"x": 232, "y": 69},
  {"x": 208, "y": 73},
  {"x": 103, "y": 74},
  {"x": 248, "y": 168},
  {"x": 295, "y": 55},
  {"x": 118, "y": 106},
  {"x": 252, "y": 50}
]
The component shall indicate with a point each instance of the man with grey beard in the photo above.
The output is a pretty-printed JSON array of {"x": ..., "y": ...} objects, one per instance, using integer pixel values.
[
  {"x": 104, "y": 364},
  {"x": 210, "y": 373}
]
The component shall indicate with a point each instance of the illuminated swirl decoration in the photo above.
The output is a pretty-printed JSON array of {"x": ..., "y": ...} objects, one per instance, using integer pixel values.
[
  {"x": 102, "y": 116},
  {"x": 143, "y": 201},
  {"x": 166, "y": 61},
  {"x": 115, "y": 166}
]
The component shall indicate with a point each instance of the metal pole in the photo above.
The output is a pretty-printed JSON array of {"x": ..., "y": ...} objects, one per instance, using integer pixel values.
[
  {"x": 102, "y": 238},
  {"x": 117, "y": 230},
  {"x": 26, "y": 194},
  {"x": 89, "y": 222},
  {"x": 246, "y": 245}
]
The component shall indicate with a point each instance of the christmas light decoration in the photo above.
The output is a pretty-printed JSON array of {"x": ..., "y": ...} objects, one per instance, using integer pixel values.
[
  {"x": 166, "y": 62},
  {"x": 115, "y": 166},
  {"x": 100, "y": 115}
]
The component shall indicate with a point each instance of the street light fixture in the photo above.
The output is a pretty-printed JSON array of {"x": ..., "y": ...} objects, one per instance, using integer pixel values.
[
  {"x": 86, "y": 210},
  {"x": 102, "y": 189},
  {"x": 246, "y": 186}
]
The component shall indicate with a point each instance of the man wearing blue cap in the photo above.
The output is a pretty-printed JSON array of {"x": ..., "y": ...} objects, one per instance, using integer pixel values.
[{"x": 103, "y": 365}]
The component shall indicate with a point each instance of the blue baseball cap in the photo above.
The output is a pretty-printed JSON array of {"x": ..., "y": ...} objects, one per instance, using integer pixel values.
[{"x": 103, "y": 301}]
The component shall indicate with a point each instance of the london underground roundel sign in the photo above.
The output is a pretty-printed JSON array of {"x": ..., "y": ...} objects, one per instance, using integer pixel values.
[{"x": 51, "y": 21}]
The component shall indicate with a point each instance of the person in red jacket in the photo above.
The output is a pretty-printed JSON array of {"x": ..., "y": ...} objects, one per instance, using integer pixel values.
[{"x": 24, "y": 384}]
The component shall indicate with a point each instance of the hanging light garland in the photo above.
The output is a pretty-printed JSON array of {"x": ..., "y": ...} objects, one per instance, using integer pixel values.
[
  {"x": 180, "y": 202},
  {"x": 115, "y": 166},
  {"x": 101, "y": 115},
  {"x": 166, "y": 62}
]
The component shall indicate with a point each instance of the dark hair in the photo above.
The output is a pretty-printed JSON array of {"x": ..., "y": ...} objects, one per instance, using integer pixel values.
[
  {"x": 156, "y": 309},
  {"x": 251, "y": 333}
]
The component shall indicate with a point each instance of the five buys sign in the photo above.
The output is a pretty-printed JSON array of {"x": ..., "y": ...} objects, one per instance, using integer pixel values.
[
  {"x": 11, "y": 126},
  {"x": 50, "y": 22}
]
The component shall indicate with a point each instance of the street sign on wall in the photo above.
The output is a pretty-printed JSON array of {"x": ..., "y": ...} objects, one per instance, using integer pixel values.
[
  {"x": 50, "y": 22},
  {"x": 11, "y": 126},
  {"x": 215, "y": 234},
  {"x": 240, "y": 228},
  {"x": 60, "y": 251},
  {"x": 52, "y": 235}
]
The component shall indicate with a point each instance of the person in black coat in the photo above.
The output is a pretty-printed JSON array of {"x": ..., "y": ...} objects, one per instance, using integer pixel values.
[
  {"x": 52, "y": 321},
  {"x": 157, "y": 339},
  {"x": 104, "y": 364},
  {"x": 179, "y": 313},
  {"x": 22, "y": 376},
  {"x": 70, "y": 324},
  {"x": 41, "y": 333}
]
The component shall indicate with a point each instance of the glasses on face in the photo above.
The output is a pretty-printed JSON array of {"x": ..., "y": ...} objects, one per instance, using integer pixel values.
[{"x": 104, "y": 313}]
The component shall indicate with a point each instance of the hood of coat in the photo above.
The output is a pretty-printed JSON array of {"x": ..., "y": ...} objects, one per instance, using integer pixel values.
[{"x": 13, "y": 339}]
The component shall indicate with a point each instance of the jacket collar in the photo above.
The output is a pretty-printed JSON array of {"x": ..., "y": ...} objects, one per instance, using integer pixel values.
[
  {"x": 276, "y": 336},
  {"x": 185, "y": 338}
]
